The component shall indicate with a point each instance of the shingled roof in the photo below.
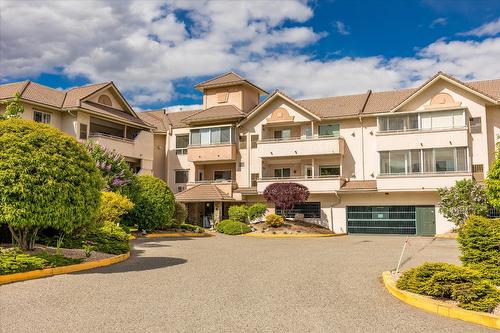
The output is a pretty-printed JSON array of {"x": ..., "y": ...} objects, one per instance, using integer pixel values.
[
  {"x": 227, "y": 79},
  {"x": 215, "y": 113},
  {"x": 156, "y": 118},
  {"x": 202, "y": 193}
]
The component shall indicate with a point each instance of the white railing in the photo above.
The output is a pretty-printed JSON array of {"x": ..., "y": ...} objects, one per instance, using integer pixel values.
[
  {"x": 268, "y": 178},
  {"x": 301, "y": 138},
  {"x": 109, "y": 136}
]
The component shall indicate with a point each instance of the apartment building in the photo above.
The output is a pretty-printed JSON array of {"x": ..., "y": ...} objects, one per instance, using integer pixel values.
[
  {"x": 372, "y": 161},
  {"x": 98, "y": 112}
]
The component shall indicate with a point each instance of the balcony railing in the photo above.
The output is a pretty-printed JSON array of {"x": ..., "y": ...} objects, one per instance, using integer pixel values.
[
  {"x": 300, "y": 138},
  {"x": 316, "y": 184},
  {"x": 303, "y": 146},
  {"x": 109, "y": 136}
]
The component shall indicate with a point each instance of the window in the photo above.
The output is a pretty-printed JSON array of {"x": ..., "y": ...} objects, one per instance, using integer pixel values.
[
  {"x": 434, "y": 160},
  {"x": 243, "y": 141},
  {"x": 254, "y": 178},
  {"x": 398, "y": 123},
  {"x": 282, "y": 173},
  {"x": 104, "y": 99},
  {"x": 101, "y": 126},
  {"x": 329, "y": 130},
  {"x": 212, "y": 136},
  {"x": 253, "y": 140},
  {"x": 42, "y": 117},
  {"x": 181, "y": 144},
  {"x": 308, "y": 132},
  {"x": 443, "y": 119},
  {"x": 132, "y": 132},
  {"x": 283, "y": 134},
  {"x": 475, "y": 125},
  {"x": 309, "y": 209},
  {"x": 222, "y": 175},
  {"x": 181, "y": 176},
  {"x": 329, "y": 170},
  {"x": 83, "y": 131}
]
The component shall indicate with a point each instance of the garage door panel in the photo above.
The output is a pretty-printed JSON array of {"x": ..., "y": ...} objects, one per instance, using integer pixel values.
[{"x": 381, "y": 219}]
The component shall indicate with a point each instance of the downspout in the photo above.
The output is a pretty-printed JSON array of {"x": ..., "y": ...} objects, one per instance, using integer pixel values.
[{"x": 368, "y": 94}]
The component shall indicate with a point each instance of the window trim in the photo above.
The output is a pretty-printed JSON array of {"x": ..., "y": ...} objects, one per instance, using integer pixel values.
[
  {"x": 43, "y": 114},
  {"x": 181, "y": 151},
  {"x": 181, "y": 170},
  {"x": 232, "y": 139},
  {"x": 420, "y": 128},
  {"x": 86, "y": 131},
  {"x": 223, "y": 170},
  {"x": 282, "y": 177},
  {"x": 328, "y": 166},
  {"x": 329, "y": 136}
]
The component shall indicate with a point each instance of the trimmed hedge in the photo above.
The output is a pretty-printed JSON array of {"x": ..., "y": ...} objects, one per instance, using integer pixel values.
[
  {"x": 47, "y": 180},
  {"x": 479, "y": 240},
  {"x": 236, "y": 228},
  {"x": 238, "y": 213},
  {"x": 220, "y": 226},
  {"x": 464, "y": 285},
  {"x": 256, "y": 211},
  {"x": 153, "y": 204},
  {"x": 274, "y": 220},
  {"x": 190, "y": 227}
]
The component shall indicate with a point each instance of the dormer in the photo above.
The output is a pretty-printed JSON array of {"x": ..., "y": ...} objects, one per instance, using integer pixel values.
[{"x": 230, "y": 89}]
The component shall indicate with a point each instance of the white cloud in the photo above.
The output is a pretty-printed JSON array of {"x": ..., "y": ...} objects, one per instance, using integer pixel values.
[
  {"x": 438, "y": 21},
  {"x": 146, "y": 46},
  {"x": 183, "y": 107},
  {"x": 488, "y": 29},
  {"x": 341, "y": 28}
]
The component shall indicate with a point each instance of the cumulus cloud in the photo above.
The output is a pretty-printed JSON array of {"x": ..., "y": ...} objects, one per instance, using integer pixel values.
[
  {"x": 147, "y": 46},
  {"x": 488, "y": 29}
]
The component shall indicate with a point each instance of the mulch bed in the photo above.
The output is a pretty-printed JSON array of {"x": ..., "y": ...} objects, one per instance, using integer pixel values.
[
  {"x": 69, "y": 253},
  {"x": 291, "y": 227}
]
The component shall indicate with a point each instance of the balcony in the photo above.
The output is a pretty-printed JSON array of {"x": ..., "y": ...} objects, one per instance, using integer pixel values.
[
  {"x": 315, "y": 185},
  {"x": 212, "y": 153},
  {"x": 420, "y": 182},
  {"x": 139, "y": 148},
  {"x": 418, "y": 139},
  {"x": 300, "y": 146}
]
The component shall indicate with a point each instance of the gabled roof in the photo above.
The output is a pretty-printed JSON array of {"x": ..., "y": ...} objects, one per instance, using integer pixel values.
[
  {"x": 9, "y": 90},
  {"x": 344, "y": 105},
  {"x": 42, "y": 94},
  {"x": 273, "y": 96},
  {"x": 156, "y": 118},
  {"x": 440, "y": 75},
  {"x": 175, "y": 118},
  {"x": 225, "y": 80},
  {"x": 215, "y": 113},
  {"x": 75, "y": 95},
  {"x": 203, "y": 193}
]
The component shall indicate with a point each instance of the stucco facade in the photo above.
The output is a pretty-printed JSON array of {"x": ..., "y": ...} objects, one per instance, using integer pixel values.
[{"x": 341, "y": 154}]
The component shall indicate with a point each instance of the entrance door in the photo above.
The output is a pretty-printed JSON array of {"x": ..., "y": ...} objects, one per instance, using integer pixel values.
[
  {"x": 208, "y": 213},
  {"x": 426, "y": 220}
]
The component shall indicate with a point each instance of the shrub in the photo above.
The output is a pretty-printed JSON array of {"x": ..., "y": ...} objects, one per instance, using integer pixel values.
[
  {"x": 285, "y": 195},
  {"x": 274, "y": 220},
  {"x": 479, "y": 240},
  {"x": 236, "y": 228},
  {"x": 220, "y": 226},
  {"x": 13, "y": 109},
  {"x": 114, "y": 169},
  {"x": 56, "y": 260},
  {"x": 238, "y": 213},
  {"x": 14, "y": 261},
  {"x": 493, "y": 180},
  {"x": 47, "y": 179},
  {"x": 256, "y": 211},
  {"x": 113, "y": 206},
  {"x": 180, "y": 213},
  {"x": 191, "y": 227},
  {"x": 464, "y": 285},
  {"x": 153, "y": 204},
  {"x": 462, "y": 200}
]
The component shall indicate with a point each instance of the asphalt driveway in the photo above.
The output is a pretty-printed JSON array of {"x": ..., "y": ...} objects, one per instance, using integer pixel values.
[{"x": 234, "y": 284}]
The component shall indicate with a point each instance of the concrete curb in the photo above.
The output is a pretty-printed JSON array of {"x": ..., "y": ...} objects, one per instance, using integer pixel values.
[
  {"x": 257, "y": 235},
  {"x": 178, "y": 234},
  {"x": 63, "y": 269},
  {"x": 438, "y": 307},
  {"x": 446, "y": 236}
]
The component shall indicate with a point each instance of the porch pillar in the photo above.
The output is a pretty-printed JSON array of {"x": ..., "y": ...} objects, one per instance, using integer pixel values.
[
  {"x": 312, "y": 129},
  {"x": 313, "y": 172},
  {"x": 217, "y": 212}
]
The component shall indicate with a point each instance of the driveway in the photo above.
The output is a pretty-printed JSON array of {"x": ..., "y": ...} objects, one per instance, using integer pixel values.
[{"x": 234, "y": 284}]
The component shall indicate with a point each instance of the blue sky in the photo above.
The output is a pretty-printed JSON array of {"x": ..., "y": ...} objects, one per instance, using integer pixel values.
[{"x": 155, "y": 51}]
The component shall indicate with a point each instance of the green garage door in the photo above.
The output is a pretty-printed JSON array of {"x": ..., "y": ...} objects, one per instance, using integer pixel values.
[{"x": 402, "y": 220}]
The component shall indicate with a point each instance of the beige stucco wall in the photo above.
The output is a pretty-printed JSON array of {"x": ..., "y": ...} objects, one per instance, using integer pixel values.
[
  {"x": 235, "y": 97},
  {"x": 159, "y": 156},
  {"x": 250, "y": 98},
  {"x": 115, "y": 101},
  {"x": 177, "y": 162},
  {"x": 492, "y": 130}
]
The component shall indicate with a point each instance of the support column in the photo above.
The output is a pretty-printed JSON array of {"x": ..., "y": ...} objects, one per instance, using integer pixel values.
[
  {"x": 217, "y": 212},
  {"x": 313, "y": 171}
]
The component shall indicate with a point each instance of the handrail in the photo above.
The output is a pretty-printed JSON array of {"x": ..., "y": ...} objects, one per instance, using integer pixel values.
[
  {"x": 298, "y": 178},
  {"x": 110, "y": 136},
  {"x": 309, "y": 138}
]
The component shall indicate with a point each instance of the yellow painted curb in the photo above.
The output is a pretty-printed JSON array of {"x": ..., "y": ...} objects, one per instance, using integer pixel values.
[
  {"x": 438, "y": 307},
  {"x": 178, "y": 234},
  {"x": 260, "y": 235},
  {"x": 62, "y": 270}
]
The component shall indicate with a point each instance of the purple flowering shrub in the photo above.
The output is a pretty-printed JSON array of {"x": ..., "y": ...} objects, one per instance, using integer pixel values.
[
  {"x": 114, "y": 169},
  {"x": 285, "y": 195}
]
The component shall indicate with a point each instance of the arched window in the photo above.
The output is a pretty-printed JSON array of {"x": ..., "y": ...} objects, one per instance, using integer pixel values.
[{"x": 104, "y": 99}]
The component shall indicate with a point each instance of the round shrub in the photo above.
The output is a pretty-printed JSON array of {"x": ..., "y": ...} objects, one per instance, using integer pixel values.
[
  {"x": 479, "y": 240},
  {"x": 180, "y": 213},
  {"x": 256, "y": 211},
  {"x": 236, "y": 228},
  {"x": 238, "y": 213},
  {"x": 113, "y": 206},
  {"x": 153, "y": 204},
  {"x": 274, "y": 220},
  {"x": 47, "y": 179},
  {"x": 220, "y": 226}
]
